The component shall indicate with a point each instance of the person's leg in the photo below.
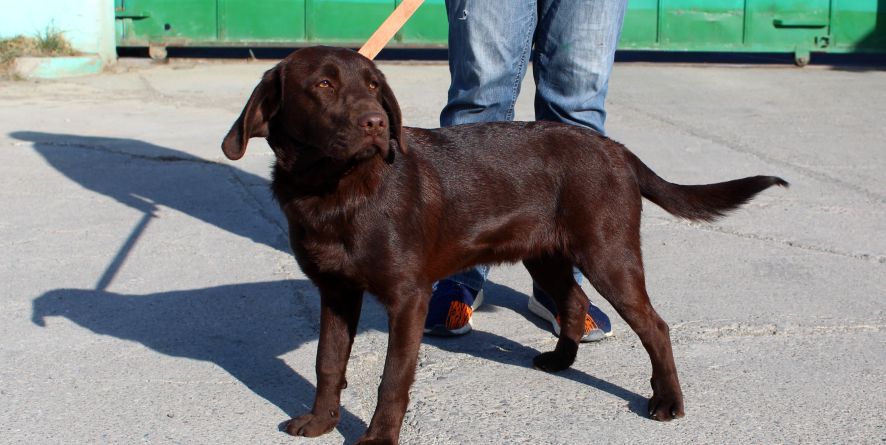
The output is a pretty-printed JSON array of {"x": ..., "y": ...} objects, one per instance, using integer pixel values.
[
  {"x": 489, "y": 47},
  {"x": 597, "y": 324},
  {"x": 572, "y": 59},
  {"x": 453, "y": 302}
]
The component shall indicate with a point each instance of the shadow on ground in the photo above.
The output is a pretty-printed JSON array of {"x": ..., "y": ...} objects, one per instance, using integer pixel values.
[
  {"x": 127, "y": 171},
  {"x": 500, "y": 349},
  {"x": 242, "y": 328}
]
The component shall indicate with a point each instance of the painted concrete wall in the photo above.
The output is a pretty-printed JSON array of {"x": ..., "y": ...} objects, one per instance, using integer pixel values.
[{"x": 87, "y": 24}]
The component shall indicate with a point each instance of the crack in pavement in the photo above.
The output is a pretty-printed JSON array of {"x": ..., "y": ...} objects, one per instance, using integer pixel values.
[
  {"x": 284, "y": 231},
  {"x": 739, "y": 330},
  {"x": 873, "y": 258},
  {"x": 156, "y": 92},
  {"x": 744, "y": 149},
  {"x": 106, "y": 149},
  {"x": 435, "y": 361},
  {"x": 311, "y": 315},
  {"x": 172, "y": 158}
]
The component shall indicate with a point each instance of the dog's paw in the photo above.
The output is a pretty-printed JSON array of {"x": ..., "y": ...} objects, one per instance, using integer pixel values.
[
  {"x": 552, "y": 361},
  {"x": 665, "y": 408},
  {"x": 312, "y": 425}
]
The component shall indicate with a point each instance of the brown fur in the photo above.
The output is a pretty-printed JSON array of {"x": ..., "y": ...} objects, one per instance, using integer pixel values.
[{"x": 375, "y": 206}]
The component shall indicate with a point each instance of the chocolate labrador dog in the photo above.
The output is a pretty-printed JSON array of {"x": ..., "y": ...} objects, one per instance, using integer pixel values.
[{"x": 375, "y": 206}]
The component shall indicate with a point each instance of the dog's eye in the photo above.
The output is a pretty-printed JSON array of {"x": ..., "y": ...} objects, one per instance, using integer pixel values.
[
  {"x": 324, "y": 84},
  {"x": 373, "y": 85}
]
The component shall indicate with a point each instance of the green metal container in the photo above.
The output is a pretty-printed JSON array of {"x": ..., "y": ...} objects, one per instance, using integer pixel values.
[
  {"x": 793, "y": 26},
  {"x": 266, "y": 20}
]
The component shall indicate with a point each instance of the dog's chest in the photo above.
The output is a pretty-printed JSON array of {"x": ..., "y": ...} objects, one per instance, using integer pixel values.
[{"x": 326, "y": 252}]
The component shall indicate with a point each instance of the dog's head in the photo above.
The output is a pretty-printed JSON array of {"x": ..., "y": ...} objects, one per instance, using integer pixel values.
[{"x": 320, "y": 103}]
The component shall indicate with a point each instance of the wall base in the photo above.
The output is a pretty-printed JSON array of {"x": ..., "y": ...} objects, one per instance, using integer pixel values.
[{"x": 57, "y": 67}]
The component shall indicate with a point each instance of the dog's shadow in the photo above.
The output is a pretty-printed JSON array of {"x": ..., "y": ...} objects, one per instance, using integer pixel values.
[
  {"x": 139, "y": 174},
  {"x": 242, "y": 328}
]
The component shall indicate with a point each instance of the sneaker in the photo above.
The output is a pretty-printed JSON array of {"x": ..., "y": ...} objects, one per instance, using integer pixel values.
[
  {"x": 597, "y": 325},
  {"x": 451, "y": 308}
]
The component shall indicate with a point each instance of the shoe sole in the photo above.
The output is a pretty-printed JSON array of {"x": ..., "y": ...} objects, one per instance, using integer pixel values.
[
  {"x": 538, "y": 309},
  {"x": 442, "y": 331}
]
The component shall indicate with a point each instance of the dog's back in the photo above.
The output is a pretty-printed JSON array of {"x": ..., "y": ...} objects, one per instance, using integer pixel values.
[{"x": 477, "y": 165}]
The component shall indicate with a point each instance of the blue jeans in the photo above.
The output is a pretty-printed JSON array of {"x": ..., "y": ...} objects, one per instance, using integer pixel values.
[{"x": 571, "y": 44}]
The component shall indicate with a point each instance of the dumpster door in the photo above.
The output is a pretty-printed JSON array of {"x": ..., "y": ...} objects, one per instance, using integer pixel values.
[
  {"x": 245, "y": 21},
  {"x": 170, "y": 22},
  {"x": 801, "y": 25},
  {"x": 701, "y": 25},
  {"x": 348, "y": 22}
]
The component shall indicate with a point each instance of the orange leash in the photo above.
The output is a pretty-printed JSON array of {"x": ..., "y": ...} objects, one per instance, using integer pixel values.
[{"x": 391, "y": 25}]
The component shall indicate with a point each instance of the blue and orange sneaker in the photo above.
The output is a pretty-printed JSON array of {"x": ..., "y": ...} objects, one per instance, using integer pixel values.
[
  {"x": 452, "y": 305},
  {"x": 597, "y": 325}
]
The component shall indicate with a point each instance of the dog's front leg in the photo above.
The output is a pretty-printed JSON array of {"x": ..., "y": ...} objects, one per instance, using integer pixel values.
[
  {"x": 406, "y": 314},
  {"x": 339, "y": 314}
]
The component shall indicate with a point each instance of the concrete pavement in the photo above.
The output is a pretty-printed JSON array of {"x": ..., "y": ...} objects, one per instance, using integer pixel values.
[{"x": 147, "y": 293}]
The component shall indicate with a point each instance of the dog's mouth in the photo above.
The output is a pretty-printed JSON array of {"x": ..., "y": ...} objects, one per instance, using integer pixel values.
[{"x": 371, "y": 146}]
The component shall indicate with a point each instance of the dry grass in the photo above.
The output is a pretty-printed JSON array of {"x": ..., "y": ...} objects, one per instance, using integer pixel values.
[{"x": 49, "y": 43}]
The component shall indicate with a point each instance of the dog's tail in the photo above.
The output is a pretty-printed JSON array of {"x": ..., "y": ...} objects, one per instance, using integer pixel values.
[{"x": 699, "y": 202}]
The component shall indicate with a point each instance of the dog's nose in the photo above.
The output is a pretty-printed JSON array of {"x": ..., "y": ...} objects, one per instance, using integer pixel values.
[{"x": 372, "y": 122}]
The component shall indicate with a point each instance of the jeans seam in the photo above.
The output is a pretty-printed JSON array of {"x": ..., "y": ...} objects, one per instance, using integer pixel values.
[{"x": 521, "y": 71}]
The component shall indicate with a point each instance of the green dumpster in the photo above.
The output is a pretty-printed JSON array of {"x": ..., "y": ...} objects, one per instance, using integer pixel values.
[
  {"x": 142, "y": 23},
  {"x": 788, "y": 26}
]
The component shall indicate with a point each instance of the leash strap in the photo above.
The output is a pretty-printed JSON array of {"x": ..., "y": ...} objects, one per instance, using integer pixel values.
[{"x": 389, "y": 27}]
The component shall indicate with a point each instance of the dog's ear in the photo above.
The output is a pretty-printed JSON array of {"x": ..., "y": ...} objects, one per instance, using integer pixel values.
[
  {"x": 395, "y": 119},
  {"x": 253, "y": 121}
]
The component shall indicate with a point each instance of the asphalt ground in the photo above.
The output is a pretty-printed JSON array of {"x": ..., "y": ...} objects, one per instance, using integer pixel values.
[{"x": 147, "y": 292}]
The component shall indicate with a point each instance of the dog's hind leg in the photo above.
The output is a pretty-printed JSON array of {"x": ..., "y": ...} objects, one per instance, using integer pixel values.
[
  {"x": 553, "y": 274},
  {"x": 615, "y": 268}
]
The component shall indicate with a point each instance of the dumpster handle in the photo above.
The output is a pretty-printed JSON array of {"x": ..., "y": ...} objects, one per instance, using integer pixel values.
[{"x": 787, "y": 23}]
